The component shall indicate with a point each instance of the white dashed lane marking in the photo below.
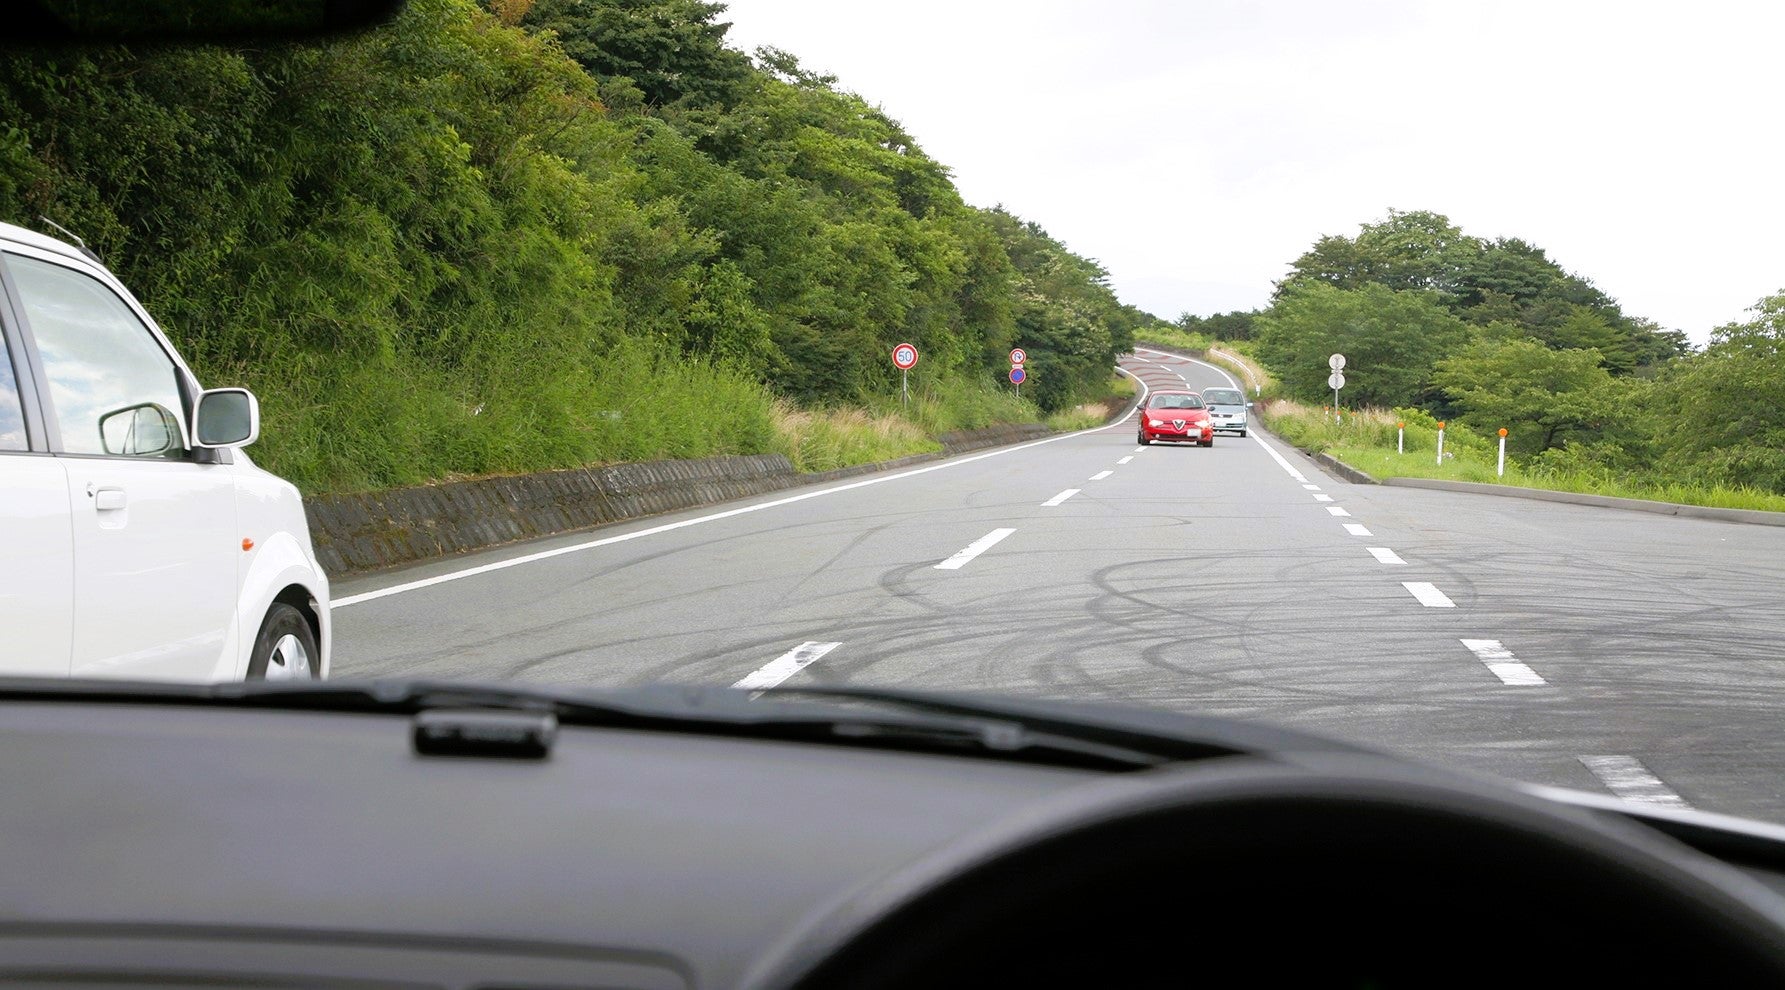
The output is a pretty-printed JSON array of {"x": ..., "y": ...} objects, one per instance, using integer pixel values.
[
  {"x": 1508, "y": 668},
  {"x": 1099, "y": 476},
  {"x": 1323, "y": 498},
  {"x": 1337, "y": 510},
  {"x": 974, "y": 549},
  {"x": 1125, "y": 460},
  {"x": 785, "y": 666},
  {"x": 1063, "y": 496},
  {"x": 1626, "y": 777},
  {"x": 1428, "y": 594},
  {"x": 1385, "y": 555},
  {"x": 1356, "y": 529}
]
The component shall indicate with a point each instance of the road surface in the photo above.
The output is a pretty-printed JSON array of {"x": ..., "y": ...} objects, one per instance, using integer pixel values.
[{"x": 1591, "y": 648}]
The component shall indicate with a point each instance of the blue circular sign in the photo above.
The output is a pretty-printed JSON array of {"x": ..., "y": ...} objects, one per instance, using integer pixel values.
[{"x": 1017, "y": 375}]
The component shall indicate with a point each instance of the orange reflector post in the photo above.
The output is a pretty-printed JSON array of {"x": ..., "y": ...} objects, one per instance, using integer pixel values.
[
  {"x": 1502, "y": 431},
  {"x": 247, "y": 544}
]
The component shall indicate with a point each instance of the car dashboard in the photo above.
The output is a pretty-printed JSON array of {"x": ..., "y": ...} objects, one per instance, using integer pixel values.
[{"x": 155, "y": 844}]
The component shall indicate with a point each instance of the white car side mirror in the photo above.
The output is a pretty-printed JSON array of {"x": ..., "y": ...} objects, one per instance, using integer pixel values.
[{"x": 226, "y": 417}]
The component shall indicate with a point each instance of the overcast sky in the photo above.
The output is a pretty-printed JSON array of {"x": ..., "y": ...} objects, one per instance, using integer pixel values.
[{"x": 1196, "y": 148}]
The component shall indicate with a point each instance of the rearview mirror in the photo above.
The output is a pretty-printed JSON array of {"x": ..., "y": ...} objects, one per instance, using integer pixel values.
[
  {"x": 226, "y": 417},
  {"x": 143, "y": 430}
]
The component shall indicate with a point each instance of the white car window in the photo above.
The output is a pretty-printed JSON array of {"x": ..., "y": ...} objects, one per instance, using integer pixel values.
[
  {"x": 99, "y": 359},
  {"x": 12, "y": 416}
]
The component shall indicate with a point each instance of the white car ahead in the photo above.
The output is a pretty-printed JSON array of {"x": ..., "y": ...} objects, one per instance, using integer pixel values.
[{"x": 136, "y": 539}]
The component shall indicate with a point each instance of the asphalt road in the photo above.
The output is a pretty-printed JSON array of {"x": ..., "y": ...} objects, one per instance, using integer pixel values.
[{"x": 1590, "y": 648}]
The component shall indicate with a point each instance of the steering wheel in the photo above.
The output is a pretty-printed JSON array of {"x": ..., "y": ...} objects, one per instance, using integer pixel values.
[{"x": 1354, "y": 871}]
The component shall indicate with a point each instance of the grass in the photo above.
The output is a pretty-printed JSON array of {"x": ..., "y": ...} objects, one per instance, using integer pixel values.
[
  {"x": 1365, "y": 439},
  {"x": 822, "y": 440},
  {"x": 1090, "y": 414}
]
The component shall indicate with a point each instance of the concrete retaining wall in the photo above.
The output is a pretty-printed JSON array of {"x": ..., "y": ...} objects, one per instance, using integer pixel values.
[{"x": 354, "y": 533}]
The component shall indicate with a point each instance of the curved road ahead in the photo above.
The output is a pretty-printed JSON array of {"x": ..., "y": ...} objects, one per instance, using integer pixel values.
[{"x": 1590, "y": 648}]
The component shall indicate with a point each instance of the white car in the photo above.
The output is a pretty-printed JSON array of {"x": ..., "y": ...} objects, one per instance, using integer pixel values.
[
  {"x": 136, "y": 539},
  {"x": 1227, "y": 409}
]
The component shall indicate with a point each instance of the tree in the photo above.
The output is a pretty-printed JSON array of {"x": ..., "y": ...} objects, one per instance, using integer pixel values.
[
  {"x": 673, "y": 51},
  {"x": 1390, "y": 339},
  {"x": 1543, "y": 397},
  {"x": 1417, "y": 250},
  {"x": 1723, "y": 411}
]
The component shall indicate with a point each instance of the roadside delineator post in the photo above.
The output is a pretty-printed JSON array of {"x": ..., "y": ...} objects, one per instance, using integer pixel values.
[
  {"x": 1400, "y": 438},
  {"x": 1440, "y": 441},
  {"x": 1502, "y": 466}
]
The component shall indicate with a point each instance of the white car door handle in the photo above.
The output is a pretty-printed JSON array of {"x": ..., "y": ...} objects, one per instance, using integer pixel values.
[{"x": 108, "y": 499}]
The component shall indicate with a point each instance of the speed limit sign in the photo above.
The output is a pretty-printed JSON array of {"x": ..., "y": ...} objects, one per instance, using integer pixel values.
[
  {"x": 1018, "y": 355},
  {"x": 904, "y": 357}
]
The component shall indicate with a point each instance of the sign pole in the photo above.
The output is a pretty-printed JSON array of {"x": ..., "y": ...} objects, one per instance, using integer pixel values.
[{"x": 905, "y": 387}]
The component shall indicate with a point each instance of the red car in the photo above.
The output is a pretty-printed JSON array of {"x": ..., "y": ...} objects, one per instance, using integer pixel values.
[{"x": 1176, "y": 416}]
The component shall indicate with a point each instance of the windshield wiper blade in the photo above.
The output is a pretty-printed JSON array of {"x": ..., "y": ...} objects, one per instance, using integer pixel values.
[{"x": 1028, "y": 730}]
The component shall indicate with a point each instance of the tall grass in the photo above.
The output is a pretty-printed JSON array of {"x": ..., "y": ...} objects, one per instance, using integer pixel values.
[
  {"x": 823, "y": 440},
  {"x": 1365, "y": 439}
]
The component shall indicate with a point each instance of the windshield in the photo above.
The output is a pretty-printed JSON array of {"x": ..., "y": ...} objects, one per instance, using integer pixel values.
[{"x": 603, "y": 343}]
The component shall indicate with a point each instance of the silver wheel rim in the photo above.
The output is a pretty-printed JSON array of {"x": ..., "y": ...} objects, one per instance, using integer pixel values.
[{"x": 290, "y": 661}]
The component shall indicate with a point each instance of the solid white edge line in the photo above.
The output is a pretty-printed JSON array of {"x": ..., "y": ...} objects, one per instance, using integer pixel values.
[
  {"x": 1063, "y": 496},
  {"x": 1626, "y": 777},
  {"x": 784, "y": 666},
  {"x": 1385, "y": 555},
  {"x": 397, "y": 589},
  {"x": 1428, "y": 594},
  {"x": 974, "y": 549},
  {"x": 1357, "y": 529},
  {"x": 1500, "y": 661},
  {"x": 1281, "y": 462},
  {"x": 1099, "y": 476}
]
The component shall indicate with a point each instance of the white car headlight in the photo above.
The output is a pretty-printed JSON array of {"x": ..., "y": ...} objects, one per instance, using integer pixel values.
[{"x": 1155, "y": 422}]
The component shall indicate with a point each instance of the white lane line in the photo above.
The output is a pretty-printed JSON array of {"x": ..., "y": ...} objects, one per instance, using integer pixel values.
[
  {"x": 397, "y": 589},
  {"x": 1385, "y": 555},
  {"x": 1137, "y": 450},
  {"x": 1337, "y": 510},
  {"x": 1508, "y": 668},
  {"x": 1312, "y": 488},
  {"x": 1356, "y": 529},
  {"x": 1125, "y": 460},
  {"x": 974, "y": 549},
  {"x": 1322, "y": 498},
  {"x": 785, "y": 666},
  {"x": 1285, "y": 465},
  {"x": 1063, "y": 496},
  {"x": 1099, "y": 476},
  {"x": 1428, "y": 594},
  {"x": 1626, "y": 777}
]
